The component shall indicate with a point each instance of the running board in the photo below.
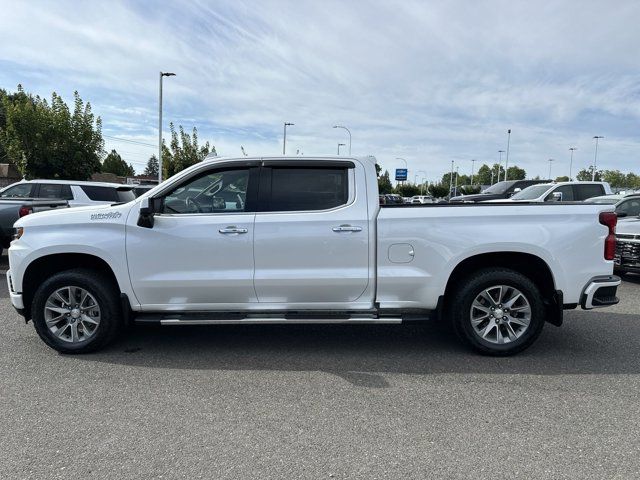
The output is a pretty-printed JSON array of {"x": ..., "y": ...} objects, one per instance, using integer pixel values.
[{"x": 234, "y": 318}]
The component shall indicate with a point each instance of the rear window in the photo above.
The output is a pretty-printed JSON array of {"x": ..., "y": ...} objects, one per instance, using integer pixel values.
[
  {"x": 587, "y": 191},
  {"x": 108, "y": 194},
  {"x": 297, "y": 189}
]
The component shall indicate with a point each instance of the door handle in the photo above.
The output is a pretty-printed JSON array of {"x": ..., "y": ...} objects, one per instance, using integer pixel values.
[
  {"x": 232, "y": 230},
  {"x": 347, "y": 228}
]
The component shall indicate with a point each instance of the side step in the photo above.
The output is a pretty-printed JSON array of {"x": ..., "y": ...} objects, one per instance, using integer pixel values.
[{"x": 238, "y": 318}]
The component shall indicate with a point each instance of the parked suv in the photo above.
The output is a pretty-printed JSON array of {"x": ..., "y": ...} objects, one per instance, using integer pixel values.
[
  {"x": 500, "y": 190},
  {"x": 562, "y": 192},
  {"x": 627, "y": 258},
  {"x": 78, "y": 194}
]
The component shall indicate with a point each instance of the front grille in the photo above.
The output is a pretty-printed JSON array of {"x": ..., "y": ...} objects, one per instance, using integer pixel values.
[{"x": 627, "y": 254}]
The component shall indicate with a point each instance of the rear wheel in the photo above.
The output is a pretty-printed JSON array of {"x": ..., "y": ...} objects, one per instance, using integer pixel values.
[
  {"x": 77, "y": 311},
  {"x": 497, "y": 311}
]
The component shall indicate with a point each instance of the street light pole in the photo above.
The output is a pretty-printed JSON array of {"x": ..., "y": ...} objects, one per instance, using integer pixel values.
[
  {"x": 506, "y": 163},
  {"x": 550, "y": 160},
  {"x": 162, "y": 74},
  {"x": 284, "y": 139},
  {"x": 500, "y": 165},
  {"x": 571, "y": 162},
  {"x": 340, "y": 145},
  {"x": 595, "y": 158},
  {"x": 348, "y": 131},
  {"x": 473, "y": 164},
  {"x": 451, "y": 179}
]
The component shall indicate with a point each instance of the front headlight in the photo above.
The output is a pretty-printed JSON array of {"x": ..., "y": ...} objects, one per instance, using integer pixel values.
[{"x": 18, "y": 232}]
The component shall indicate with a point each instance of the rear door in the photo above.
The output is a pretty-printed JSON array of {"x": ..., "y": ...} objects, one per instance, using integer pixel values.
[{"x": 311, "y": 234}]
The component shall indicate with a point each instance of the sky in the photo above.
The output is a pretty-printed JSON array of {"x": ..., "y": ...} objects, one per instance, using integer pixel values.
[{"x": 428, "y": 81}]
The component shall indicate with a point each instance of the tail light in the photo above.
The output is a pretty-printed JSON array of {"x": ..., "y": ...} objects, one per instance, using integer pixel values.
[
  {"x": 24, "y": 210},
  {"x": 609, "y": 220}
]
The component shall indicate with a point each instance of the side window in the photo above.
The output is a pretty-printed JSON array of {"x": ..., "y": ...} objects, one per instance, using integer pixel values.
[
  {"x": 567, "y": 193},
  {"x": 587, "y": 191},
  {"x": 630, "y": 207},
  {"x": 49, "y": 190},
  {"x": 100, "y": 194},
  {"x": 65, "y": 193},
  {"x": 22, "y": 190},
  {"x": 221, "y": 191},
  {"x": 299, "y": 189}
]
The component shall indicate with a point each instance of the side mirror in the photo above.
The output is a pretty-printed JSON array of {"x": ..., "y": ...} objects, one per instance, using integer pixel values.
[
  {"x": 517, "y": 190},
  {"x": 556, "y": 197},
  {"x": 148, "y": 208}
]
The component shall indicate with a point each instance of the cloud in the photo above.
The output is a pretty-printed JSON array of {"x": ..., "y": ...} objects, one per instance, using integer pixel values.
[{"x": 428, "y": 81}]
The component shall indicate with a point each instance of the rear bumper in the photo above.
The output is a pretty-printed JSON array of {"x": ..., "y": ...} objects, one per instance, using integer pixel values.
[{"x": 600, "y": 292}]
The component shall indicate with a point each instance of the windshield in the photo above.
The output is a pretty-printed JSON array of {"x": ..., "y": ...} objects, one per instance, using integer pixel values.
[
  {"x": 531, "y": 193},
  {"x": 498, "y": 188}
]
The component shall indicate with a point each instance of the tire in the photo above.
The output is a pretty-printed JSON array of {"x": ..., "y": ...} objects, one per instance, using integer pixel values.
[
  {"x": 97, "y": 323},
  {"x": 487, "y": 296}
]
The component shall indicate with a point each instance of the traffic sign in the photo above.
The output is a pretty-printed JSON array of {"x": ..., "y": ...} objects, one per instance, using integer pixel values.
[{"x": 401, "y": 174}]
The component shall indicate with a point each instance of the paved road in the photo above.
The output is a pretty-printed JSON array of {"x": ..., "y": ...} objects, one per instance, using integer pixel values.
[{"x": 324, "y": 402}]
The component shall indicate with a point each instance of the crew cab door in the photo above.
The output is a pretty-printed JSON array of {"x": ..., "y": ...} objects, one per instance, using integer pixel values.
[
  {"x": 198, "y": 254},
  {"x": 311, "y": 242}
]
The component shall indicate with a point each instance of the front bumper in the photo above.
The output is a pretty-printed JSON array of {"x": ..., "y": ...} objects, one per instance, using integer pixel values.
[
  {"x": 16, "y": 298},
  {"x": 600, "y": 292}
]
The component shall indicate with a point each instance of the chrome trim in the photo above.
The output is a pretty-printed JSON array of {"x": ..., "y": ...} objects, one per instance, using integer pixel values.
[
  {"x": 276, "y": 321},
  {"x": 591, "y": 289}
]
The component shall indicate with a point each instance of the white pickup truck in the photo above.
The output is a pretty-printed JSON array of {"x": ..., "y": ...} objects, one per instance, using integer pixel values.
[{"x": 291, "y": 240}]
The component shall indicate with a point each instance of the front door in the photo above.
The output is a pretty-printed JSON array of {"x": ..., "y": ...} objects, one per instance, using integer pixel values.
[
  {"x": 199, "y": 253},
  {"x": 311, "y": 236}
]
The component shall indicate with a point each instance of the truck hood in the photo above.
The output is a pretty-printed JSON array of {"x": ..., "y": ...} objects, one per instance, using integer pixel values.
[
  {"x": 77, "y": 215},
  {"x": 629, "y": 226}
]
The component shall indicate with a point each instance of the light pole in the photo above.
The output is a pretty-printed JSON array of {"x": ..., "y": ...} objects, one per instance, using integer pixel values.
[
  {"x": 550, "y": 161},
  {"x": 451, "y": 179},
  {"x": 500, "y": 165},
  {"x": 348, "y": 131},
  {"x": 506, "y": 163},
  {"x": 473, "y": 164},
  {"x": 162, "y": 74},
  {"x": 284, "y": 139},
  {"x": 340, "y": 145},
  {"x": 571, "y": 149},
  {"x": 595, "y": 158}
]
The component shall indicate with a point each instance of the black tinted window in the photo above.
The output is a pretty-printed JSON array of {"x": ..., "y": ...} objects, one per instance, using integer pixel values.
[
  {"x": 108, "y": 194},
  {"x": 630, "y": 207},
  {"x": 52, "y": 190},
  {"x": 295, "y": 189},
  {"x": 587, "y": 191}
]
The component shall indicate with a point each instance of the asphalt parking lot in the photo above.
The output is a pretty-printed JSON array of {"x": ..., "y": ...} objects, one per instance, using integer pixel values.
[{"x": 324, "y": 402}]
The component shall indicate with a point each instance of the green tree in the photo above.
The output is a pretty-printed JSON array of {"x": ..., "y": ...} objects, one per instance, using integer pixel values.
[
  {"x": 384, "y": 183},
  {"x": 407, "y": 189},
  {"x": 49, "y": 140},
  {"x": 378, "y": 170},
  {"x": 585, "y": 174},
  {"x": 633, "y": 180},
  {"x": 152, "y": 167},
  {"x": 564, "y": 178},
  {"x": 438, "y": 190},
  {"x": 116, "y": 165},
  {"x": 516, "y": 173},
  {"x": 483, "y": 176},
  {"x": 183, "y": 151},
  {"x": 616, "y": 178}
]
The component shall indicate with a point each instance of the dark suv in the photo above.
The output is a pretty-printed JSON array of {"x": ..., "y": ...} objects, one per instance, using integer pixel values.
[{"x": 497, "y": 191}]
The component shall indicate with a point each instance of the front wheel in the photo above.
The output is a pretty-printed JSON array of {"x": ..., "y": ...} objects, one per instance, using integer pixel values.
[
  {"x": 76, "y": 311},
  {"x": 497, "y": 311}
]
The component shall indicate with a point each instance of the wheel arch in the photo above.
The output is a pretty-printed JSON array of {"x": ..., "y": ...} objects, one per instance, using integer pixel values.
[
  {"x": 43, "y": 267},
  {"x": 527, "y": 264}
]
